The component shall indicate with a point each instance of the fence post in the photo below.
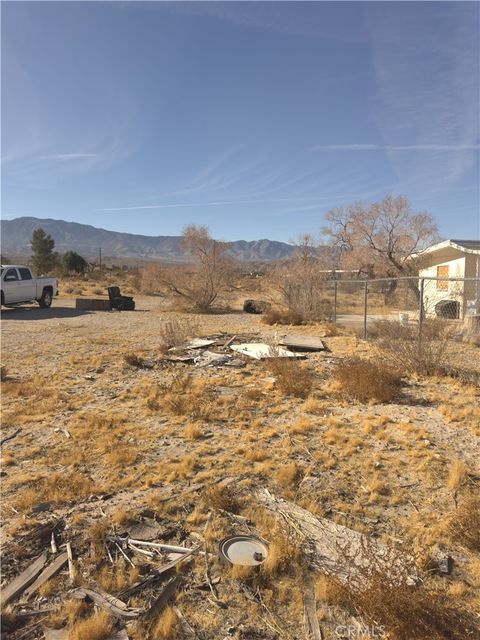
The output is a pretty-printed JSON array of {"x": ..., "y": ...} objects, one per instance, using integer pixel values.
[
  {"x": 420, "y": 309},
  {"x": 335, "y": 301},
  {"x": 365, "y": 303}
]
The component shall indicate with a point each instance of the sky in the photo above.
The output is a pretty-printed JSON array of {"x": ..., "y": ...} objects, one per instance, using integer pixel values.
[{"x": 251, "y": 118}]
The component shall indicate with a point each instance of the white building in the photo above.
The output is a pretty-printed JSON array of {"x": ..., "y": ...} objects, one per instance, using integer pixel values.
[{"x": 451, "y": 259}]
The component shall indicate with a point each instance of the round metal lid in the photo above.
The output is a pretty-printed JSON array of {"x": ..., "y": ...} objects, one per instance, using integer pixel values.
[{"x": 243, "y": 550}]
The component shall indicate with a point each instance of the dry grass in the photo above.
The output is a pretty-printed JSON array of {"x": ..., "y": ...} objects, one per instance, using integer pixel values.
[
  {"x": 221, "y": 498},
  {"x": 282, "y": 316},
  {"x": 288, "y": 475},
  {"x": 456, "y": 475},
  {"x": 56, "y": 488},
  {"x": 366, "y": 380},
  {"x": 192, "y": 431},
  {"x": 464, "y": 524},
  {"x": 292, "y": 378},
  {"x": 134, "y": 360},
  {"x": 389, "y": 604},
  {"x": 183, "y": 396},
  {"x": 136, "y": 435},
  {"x": 97, "y": 627},
  {"x": 402, "y": 349},
  {"x": 176, "y": 332},
  {"x": 166, "y": 627}
]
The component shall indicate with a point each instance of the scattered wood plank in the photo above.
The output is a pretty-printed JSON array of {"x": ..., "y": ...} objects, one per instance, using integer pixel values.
[
  {"x": 138, "y": 586},
  {"x": 147, "y": 543},
  {"x": 161, "y": 601},
  {"x": 21, "y": 582},
  {"x": 312, "y": 628},
  {"x": 207, "y": 566},
  {"x": 52, "y": 569},
  {"x": 338, "y": 550},
  {"x": 112, "y": 605},
  {"x": 156, "y": 575},
  {"x": 71, "y": 569},
  {"x": 302, "y": 343}
]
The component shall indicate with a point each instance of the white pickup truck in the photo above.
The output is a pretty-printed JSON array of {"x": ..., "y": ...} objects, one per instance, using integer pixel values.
[{"x": 19, "y": 286}]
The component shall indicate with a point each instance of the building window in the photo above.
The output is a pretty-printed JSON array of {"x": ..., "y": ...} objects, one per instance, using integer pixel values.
[{"x": 442, "y": 272}]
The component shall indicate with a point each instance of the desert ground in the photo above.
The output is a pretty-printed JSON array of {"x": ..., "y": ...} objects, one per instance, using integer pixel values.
[{"x": 112, "y": 436}]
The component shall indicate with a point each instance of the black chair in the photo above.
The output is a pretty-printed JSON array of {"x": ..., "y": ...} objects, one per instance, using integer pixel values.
[{"x": 117, "y": 301}]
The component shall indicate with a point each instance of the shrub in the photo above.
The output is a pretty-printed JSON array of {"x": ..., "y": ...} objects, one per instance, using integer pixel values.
[
  {"x": 209, "y": 274},
  {"x": 175, "y": 333},
  {"x": 97, "y": 627},
  {"x": 366, "y": 380},
  {"x": 282, "y": 316},
  {"x": 464, "y": 524},
  {"x": 292, "y": 378},
  {"x": 301, "y": 281},
  {"x": 133, "y": 360},
  {"x": 382, "y": 594},
  {"x": 401, "y": 347},
  {"x": 182, "y": 397},
  {"x": 221, "y": 498}
]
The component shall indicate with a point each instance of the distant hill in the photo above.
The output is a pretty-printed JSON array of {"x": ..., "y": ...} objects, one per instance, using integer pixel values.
[{"x": 86, "y": 240}]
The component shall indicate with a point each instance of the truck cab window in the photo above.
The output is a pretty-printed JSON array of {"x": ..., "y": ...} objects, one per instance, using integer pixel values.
[
  {"x": 11, "y": 275},
  {"x": 25, "y": 274}
]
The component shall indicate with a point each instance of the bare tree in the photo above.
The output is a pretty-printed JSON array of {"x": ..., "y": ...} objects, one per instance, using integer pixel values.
[
  {"x": 301, "y": 279},
  {"x": 381, "y": 238},
  {"x": 208, "y": 274}
]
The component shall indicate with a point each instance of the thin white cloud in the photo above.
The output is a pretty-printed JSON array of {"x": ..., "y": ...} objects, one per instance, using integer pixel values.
[
  {"x": 220, "y": 203},
  {"x": 392, "y": 147},
  {"x": 69, "y": 156}
]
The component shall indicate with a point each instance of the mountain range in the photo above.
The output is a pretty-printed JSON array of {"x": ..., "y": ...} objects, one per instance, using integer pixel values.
[{"x": 86, "y": 240}]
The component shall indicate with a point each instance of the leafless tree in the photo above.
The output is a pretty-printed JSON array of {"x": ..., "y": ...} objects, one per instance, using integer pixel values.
[
  {"x": 301, "y": 279},
  {"x": 381, "y": 238},
  {"x": 208, "y": 273}
]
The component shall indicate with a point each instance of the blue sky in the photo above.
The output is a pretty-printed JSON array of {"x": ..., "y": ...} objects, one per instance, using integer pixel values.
[{"x": 252, "y": 118}]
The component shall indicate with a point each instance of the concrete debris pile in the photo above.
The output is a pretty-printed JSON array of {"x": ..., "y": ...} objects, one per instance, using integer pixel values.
[{"x": 216, "y": 350}]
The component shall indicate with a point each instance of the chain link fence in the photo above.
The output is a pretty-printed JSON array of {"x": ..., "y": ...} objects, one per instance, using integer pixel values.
[{"x": 360, "y": 303}]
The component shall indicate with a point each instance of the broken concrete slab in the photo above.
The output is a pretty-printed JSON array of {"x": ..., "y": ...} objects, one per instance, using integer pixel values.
[
  {"x": 261, "y": 350},
  {"x": 211, "y": 359},
  {"x": 302, "y": 343},
  {"x": 200, "y": 343}
]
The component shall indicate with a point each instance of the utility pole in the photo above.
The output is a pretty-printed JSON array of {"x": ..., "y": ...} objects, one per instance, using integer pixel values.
[{"x": 100, "y": 257}]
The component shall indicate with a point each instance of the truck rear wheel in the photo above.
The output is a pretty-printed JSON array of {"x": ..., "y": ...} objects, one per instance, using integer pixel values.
[{"x": 46, "y": 299}]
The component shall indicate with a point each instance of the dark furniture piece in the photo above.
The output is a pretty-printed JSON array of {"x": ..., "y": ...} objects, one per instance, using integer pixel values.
[{"x": 117, "y": 301}]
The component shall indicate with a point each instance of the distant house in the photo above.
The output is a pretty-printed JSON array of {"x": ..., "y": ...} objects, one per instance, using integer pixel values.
[{"x": 451, "y": 259}]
